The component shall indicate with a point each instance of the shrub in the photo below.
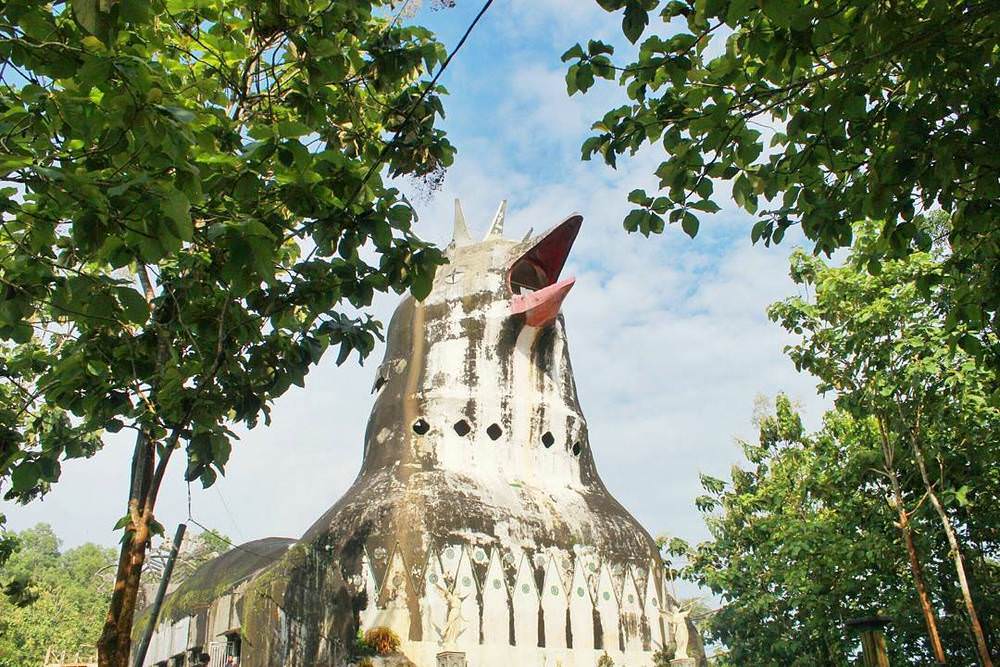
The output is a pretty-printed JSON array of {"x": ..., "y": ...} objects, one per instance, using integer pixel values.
[
  {"x": 383, "y": 640},
  {"x": 361, "y": 647},
  {"x": 663, "y": 656}
]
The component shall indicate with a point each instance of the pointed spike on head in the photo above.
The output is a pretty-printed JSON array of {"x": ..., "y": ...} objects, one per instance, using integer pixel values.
[
  {"x": 496, "y": 228},
  {"x": 460, "y": 236}
]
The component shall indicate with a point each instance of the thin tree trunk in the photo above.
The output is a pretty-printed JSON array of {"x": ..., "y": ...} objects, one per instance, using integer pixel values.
[
  {"x": 114, "y": 645},
  {"x": 918, "y": 581},
  {"x": 977, "y": 629},
  {"x": 916, "y": 569}
]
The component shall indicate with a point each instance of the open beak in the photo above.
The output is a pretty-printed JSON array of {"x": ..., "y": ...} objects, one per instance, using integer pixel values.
[{"x": 534, "y": 276}]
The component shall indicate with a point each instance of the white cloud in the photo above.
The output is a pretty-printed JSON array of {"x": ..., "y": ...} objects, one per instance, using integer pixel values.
[{"x": 563, "y": 22}]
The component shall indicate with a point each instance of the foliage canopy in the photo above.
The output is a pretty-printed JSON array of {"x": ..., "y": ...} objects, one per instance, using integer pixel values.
[
  {"x": 815, "y": 529},
  {"x": 816, "y": 114},
  {"x": 72, "y": 586}
]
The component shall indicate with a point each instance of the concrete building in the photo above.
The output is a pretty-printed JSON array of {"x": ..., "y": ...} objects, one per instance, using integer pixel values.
[{"x": 478, "y": 529}]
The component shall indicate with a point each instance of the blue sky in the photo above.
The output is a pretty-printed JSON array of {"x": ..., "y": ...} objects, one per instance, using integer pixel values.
[{"x": 668, "y": 335}]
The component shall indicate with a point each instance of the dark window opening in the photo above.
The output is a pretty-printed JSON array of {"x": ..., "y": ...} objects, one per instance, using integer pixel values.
[
  {"x": 462, "y": 427},
  {"x": 577, "y": 449},
  {"x": 421, "y": 427},
  {"x": 494, "y": 431},
  {"x": 548, "y": 439},
  {"x": 234, "y": 647}
]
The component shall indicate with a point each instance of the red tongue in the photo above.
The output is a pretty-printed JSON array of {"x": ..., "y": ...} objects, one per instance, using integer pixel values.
[{"x": 541, "y": 307}]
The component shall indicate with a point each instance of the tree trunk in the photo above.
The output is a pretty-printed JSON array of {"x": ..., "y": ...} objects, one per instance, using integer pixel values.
[
  {"x": 956, "y": 553},
  {"x": 918, "y": 581},
  {"x": 115, "y": 643},
  {"x": 916, "y": 569}
]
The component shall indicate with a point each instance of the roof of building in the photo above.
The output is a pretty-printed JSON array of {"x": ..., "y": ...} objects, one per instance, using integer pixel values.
[{"x": 217, "y": 577}]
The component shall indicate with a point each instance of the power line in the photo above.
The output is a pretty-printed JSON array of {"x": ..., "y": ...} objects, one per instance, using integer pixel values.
[
  {"x": 225, "y": 539},
  {"x": 232, "y": 519},
  {"x": 377, "y": 164},
  {"x": 395, "y": 137},
  {"x": 217, "y": 534}
]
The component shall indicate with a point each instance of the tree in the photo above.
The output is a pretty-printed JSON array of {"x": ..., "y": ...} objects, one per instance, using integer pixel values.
[
  {"x": 803, "y": 540},
  {"x": 816, "y": 114},
  {"x": 879, "y": 341},
  {"x": 194, "y": 187},
  {"x": 69, "y": 594}
]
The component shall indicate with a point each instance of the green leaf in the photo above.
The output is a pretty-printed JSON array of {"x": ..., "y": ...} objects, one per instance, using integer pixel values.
[
  {"x": 246, "y": 188},
  {"x": 782, "y": 12},
  {"x": 590, "y": 146},
  {"x": 135, "y": 11},
  {"x": 706, "y": 205},
  {"x": 597, "y": 47},
  {"x": 574, "y": 52},
  {"x": 25, "y": 476},
  {"x": 689, "y": 223},
  {"x": 420, "y": 288},
  {"x": 639, "y": 197},
  {"x": 738, "y": 10},
  {"x": 177, "y": 210},
  {"x": 760, "y": 230},
  {"x": 87, "y": 14},
  {"x": 133, "y": 304},
  {"x": 180, "y": 114},
  {"x": 635, "y": 21},
  {"x": 571, "y": 86},
  {"x": 291, "y": 128},
  {"x": 675, "y": 8},
  {"x": 400, "y": 216},
  {"x": 602, "y": 67},
  {"x": 93, "y": 44},
  {"x": 635, "y": 220},
  {"x": 584, "y": 77}
]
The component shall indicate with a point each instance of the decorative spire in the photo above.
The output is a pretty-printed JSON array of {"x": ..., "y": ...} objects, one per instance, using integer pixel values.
[
  {"x": 496, "y": 229},
  {"x": 460, "y": 236}
]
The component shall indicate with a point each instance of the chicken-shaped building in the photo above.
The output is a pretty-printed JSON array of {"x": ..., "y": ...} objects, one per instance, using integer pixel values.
[{"x": 478, "y": 529}]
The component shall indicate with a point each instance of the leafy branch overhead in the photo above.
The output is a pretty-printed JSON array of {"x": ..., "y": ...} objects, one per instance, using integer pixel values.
[
  {"x": 185, "y": 212},
  {"x": 193, "y": 213},
  {"x": 816, "y": 114}
]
